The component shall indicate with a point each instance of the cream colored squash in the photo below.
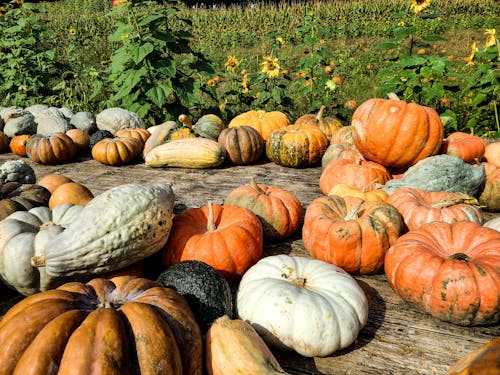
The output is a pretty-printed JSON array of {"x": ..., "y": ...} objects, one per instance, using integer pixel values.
[
  {"x": 117, "y": 228},
  {"x": 302, "y": 304},
  {"x": 493, "y": 224},
  {"x": 23, "y": 235}
]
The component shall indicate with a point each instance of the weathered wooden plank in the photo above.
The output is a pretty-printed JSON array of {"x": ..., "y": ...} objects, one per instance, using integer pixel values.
[{"x": 397, "y": 339}]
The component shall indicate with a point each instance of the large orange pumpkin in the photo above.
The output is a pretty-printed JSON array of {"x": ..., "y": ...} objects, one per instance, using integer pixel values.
[
  {"x": 228, "y": 238},
  {"x": 395, "y": 133},
  {"x": 419, "y": 207},
  {"x": 450, "y": 271},
  {"x": 351, "y": 233},
  {"x": 279, "y": 211},
  {"x": 125, "y": 325},
  {"x": 361, "y": 175},
  {"x": 264, "y": 122}
]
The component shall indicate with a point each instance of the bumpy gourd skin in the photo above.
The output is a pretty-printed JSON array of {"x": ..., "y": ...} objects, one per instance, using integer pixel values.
[{"x": 119, "y": 227}]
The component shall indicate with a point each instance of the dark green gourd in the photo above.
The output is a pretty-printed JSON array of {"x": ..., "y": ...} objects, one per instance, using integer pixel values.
[{"x": 207, "y": 292}]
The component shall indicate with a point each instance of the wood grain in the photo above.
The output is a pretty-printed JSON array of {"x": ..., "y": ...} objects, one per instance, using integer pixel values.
[{"x": 397, "y": 339}]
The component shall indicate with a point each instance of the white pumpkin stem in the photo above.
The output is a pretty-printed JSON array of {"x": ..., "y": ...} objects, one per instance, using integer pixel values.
[
  {"x": 210, "y": 220},
  {"x": 185, "y": 120},
  {"x": 319, "y": 115},
  {"x": 46, "y": 225},
  {"x": 299, "y": 281},
  {"x": 393, "y": 96},
  {"x": 38, "y": 261},
  {"x": 353, "y": 214},
  {"x": 256, "y": 187}
]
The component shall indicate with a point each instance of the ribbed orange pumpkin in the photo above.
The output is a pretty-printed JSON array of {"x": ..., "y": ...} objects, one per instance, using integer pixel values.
[
  {"x": 360, "y": 175},
  {"x": 467, "y": 147},
  {"x": 264, "y": 122},
  {"x": 117, "y": 151},
  {"x": 492, "y": 153},
  {"x": 351, "y": 233},
  {"x": 18, "y": 144},
  {"x": 395, "y": 133},
  {"x": 244, "y": 144},
  {"x": 70, "y": 192},
  {"x": 419, "y": 207},
  {"x": 297, "y": 146},
  {"x": 329, "y": 125},
  {"x": 341, "y": 151},
  {"x": 139, "y": 133},
  {"x": 56, "y": 148},
  {"x": 449, "y": 271},
  {"x": 485, "y": 360},
  {"x": 490, "y": 194},
  {"x": 125, "y": 325},
  {"x": 279, "y": 210},
  {"x": 81, "y": 139},
  {"x": 228, "y": 238}
]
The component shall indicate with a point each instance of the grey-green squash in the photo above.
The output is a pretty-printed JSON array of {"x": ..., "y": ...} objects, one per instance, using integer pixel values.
[
  {"x": 440, "y": 173},
  {"x": 119, "y": 227},
  {"x": 196, "y": 153},
  {"x": 209, "y": 126},
  {"x": 207, "y": 292},
  {"x": 23, "y": 235}
]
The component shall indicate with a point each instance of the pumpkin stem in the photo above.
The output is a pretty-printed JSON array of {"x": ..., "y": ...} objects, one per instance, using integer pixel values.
[
  {"x": 393, "y": 96},
  {"x": 365, "y": 188},
  {"x": 210, "y": 220},
  {"x": 353, "y": 214},
  {"x": 460, "y": 198},
  {"x": 38, "y": 261},
  {"x": 47, "y": 224},
  {"x": 460, "y": 256},
  {"x": 256, "y": 187},
  {"x": 319, "y": 115},
  {"x": 299, "y": 281},
  {"x": 185, "y": 120}
]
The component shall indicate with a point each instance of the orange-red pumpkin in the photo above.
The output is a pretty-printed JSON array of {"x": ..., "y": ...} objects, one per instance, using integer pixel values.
[
  {"x": 228, "y": 238},
  {"x": 264, "y": 122},
  {"x": 492, "y": 153},
  {"x": 467, "y": 147},
  {"x": 351, "y": 233},
  {"x": 18, "y": 144},
  {"x": 395, "y": 133},
  {"x": 449, "y": 271}
]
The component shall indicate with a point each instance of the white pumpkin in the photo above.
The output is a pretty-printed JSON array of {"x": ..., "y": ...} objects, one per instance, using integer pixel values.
[
  {"x": 23, "y": 235},
  {"x": 302, "y": 304},
  {"x": 493, "y": 223},
  {"x": 116, "y": 118}
]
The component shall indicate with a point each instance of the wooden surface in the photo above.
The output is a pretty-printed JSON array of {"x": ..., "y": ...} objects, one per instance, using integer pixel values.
[{"x": 396, "y": 340}]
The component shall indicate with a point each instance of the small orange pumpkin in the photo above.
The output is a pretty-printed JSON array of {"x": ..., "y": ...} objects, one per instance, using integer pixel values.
[
  {"x": 52, "y": 181},
  {"x": 264, "y": 122},
  {"x": 228, "y": 238},
  {"x": 81, "y": 139},
  {"x": 492, "y": 153},
  {"x": 329, "y": 125},
  {"x": 343, "y": 190},
  {"x": 117, "y": 151},
  {"x": 18, "y": 144},
  {"x": 343, "y": 135},
  {"x": 139, "y": 133},
  {"x": 490, "y": 194},
  {"x": 467, "y": 147},
  {"x": 70, "y": 192},
  {"x": 341, "y": 151},
  {"x": 351, "y": 233}
]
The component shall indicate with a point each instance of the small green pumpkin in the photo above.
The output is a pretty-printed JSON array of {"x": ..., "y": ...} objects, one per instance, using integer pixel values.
[
  {"x": 207, "y": 292},
  {"x": 209, "y": 126}
]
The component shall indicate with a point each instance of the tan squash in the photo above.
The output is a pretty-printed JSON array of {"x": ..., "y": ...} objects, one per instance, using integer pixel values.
[
  {"x": 52, "y": 181},
  {"x": 71, "y": 192}
]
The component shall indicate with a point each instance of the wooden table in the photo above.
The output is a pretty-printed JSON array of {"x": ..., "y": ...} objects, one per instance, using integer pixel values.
[{"x": 396, "y": 340}]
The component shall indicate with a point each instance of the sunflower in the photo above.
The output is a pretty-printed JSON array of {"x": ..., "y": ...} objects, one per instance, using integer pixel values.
[
  {"x": 419, "y": 5},
  {"x": 72, "y": 31},
  {"x": 280, "y": 41},
  {"x": 244, "y": 85},
  {"x": 490, "y": 38},
  {"x": 231, "y": 63},
  {"x": 270, "y": 66},
  {"x": 470, "y": 58}
]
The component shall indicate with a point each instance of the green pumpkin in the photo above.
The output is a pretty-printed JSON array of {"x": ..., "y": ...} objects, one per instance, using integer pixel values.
[
  {"x": 206, "y": 291},
  {"x": 209, "y": 126}
]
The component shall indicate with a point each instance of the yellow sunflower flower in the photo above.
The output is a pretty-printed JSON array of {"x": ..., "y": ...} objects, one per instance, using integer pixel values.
[
  {"x": 280, "y": 41},
  {"x": 470, "y": 58},
  {"x": 419, "y": 5},
  {"x": 490, "y": 38},
  {"x": 72, "y": 31},
  {"x": 270, "y": 66},
  {"x": 211, "y": 82},
  {"x": 244, "y": 85},
  {"x": 231, "y": 63}
]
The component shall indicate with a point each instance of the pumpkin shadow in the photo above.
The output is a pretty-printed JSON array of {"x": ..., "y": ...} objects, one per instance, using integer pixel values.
[
  {"x": 8, "y": 298},
  {"x": 376, "y": 315}
]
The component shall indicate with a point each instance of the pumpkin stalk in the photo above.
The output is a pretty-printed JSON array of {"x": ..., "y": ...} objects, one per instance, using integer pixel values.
[
  {"x": 319, "y": 115},
  {"x": 461, "y": 198},
  {"x": 299, "y": 281},
  {"x": 460, "y": 256},
  {"x": 38, "y": 261},
  {"x": 210, "y": 220},
  {"x": 353, "y": 214},
  {"x": 393, "y": 96},
  {"x": 256, "y": 187},
  {"x": 185, "y": 120},
  {"x": 365, "y": 188}
]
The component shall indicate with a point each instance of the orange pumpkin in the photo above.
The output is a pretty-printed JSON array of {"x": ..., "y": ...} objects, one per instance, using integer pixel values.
[
  {"x": 485, "y": 360},
  {"x": 329, "y": 125},
  {"x": 490, "y": 194},
  {"x": 343, "y": 190},
  {"x": 395, "y": 133},
  {"x": 18, "y": 144},
  {"x": 297, "y": 146},
  {"x": 492, "y": 153},
  {"x": 449, "y": 271},
  {"x": 139, "y": 133},
  {"x": 56, "y": 148},
  {"x": 81, "y": 139},
  {"x": 279, "y": 211},
  {"x": 117, "y": 151},
  {"x": 343, "y": 135},
  {"x": 467, "y": 147},
  {"x": 419, "y": 207},
  {"x": 119, "y": 326},
  {"x": 70, "y": 192},
  {"x": 351, "y": 233},
  {"x": 52, "y": 181},
  {"x": 264, "y": 122},
  {"x": 341, "y": 151},
  {"x": 228, "y": 238},
  {"x": 360, "y": 175}
]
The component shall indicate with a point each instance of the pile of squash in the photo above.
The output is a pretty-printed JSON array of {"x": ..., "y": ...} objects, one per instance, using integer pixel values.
[{"x": 399, "y": 200}]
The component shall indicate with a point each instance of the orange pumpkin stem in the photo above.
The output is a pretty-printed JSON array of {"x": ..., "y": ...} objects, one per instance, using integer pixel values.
[
  {"x": 210, "y": 220},
  {"x": 256, "y": 187},
  {"x": 353, "y": 214},
  {"x": 319, "y": 115},
  {"x": 38, "y": 261}
]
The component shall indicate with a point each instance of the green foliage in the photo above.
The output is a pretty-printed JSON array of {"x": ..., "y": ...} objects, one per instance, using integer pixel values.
[
  {"x": 26, "y": 63},
  {"x": 154, "y": 73}
]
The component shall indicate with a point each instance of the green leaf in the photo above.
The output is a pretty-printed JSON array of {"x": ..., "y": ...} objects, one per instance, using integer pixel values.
[
  {"x": 404, "y": 32},
  {"x": 388, "y": 44},
  {"x": 138, "y": 53},
  {"x": 479, "y": 99},
  {"x": 132, "y": 79},
  {"x": 121, "y": 32},
  {"x": 159, "y": 94},
  {"x": 433, "y": 38}
]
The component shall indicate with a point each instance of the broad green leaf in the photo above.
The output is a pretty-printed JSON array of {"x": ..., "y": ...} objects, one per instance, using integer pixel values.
[
  {"x": 404, "y": 32},
  {"x": 159, "y": 94},
  {"x": 132, "y": 79},
  {"x": 138, "y": 53},
  {"x": 388, "y": 44}
]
